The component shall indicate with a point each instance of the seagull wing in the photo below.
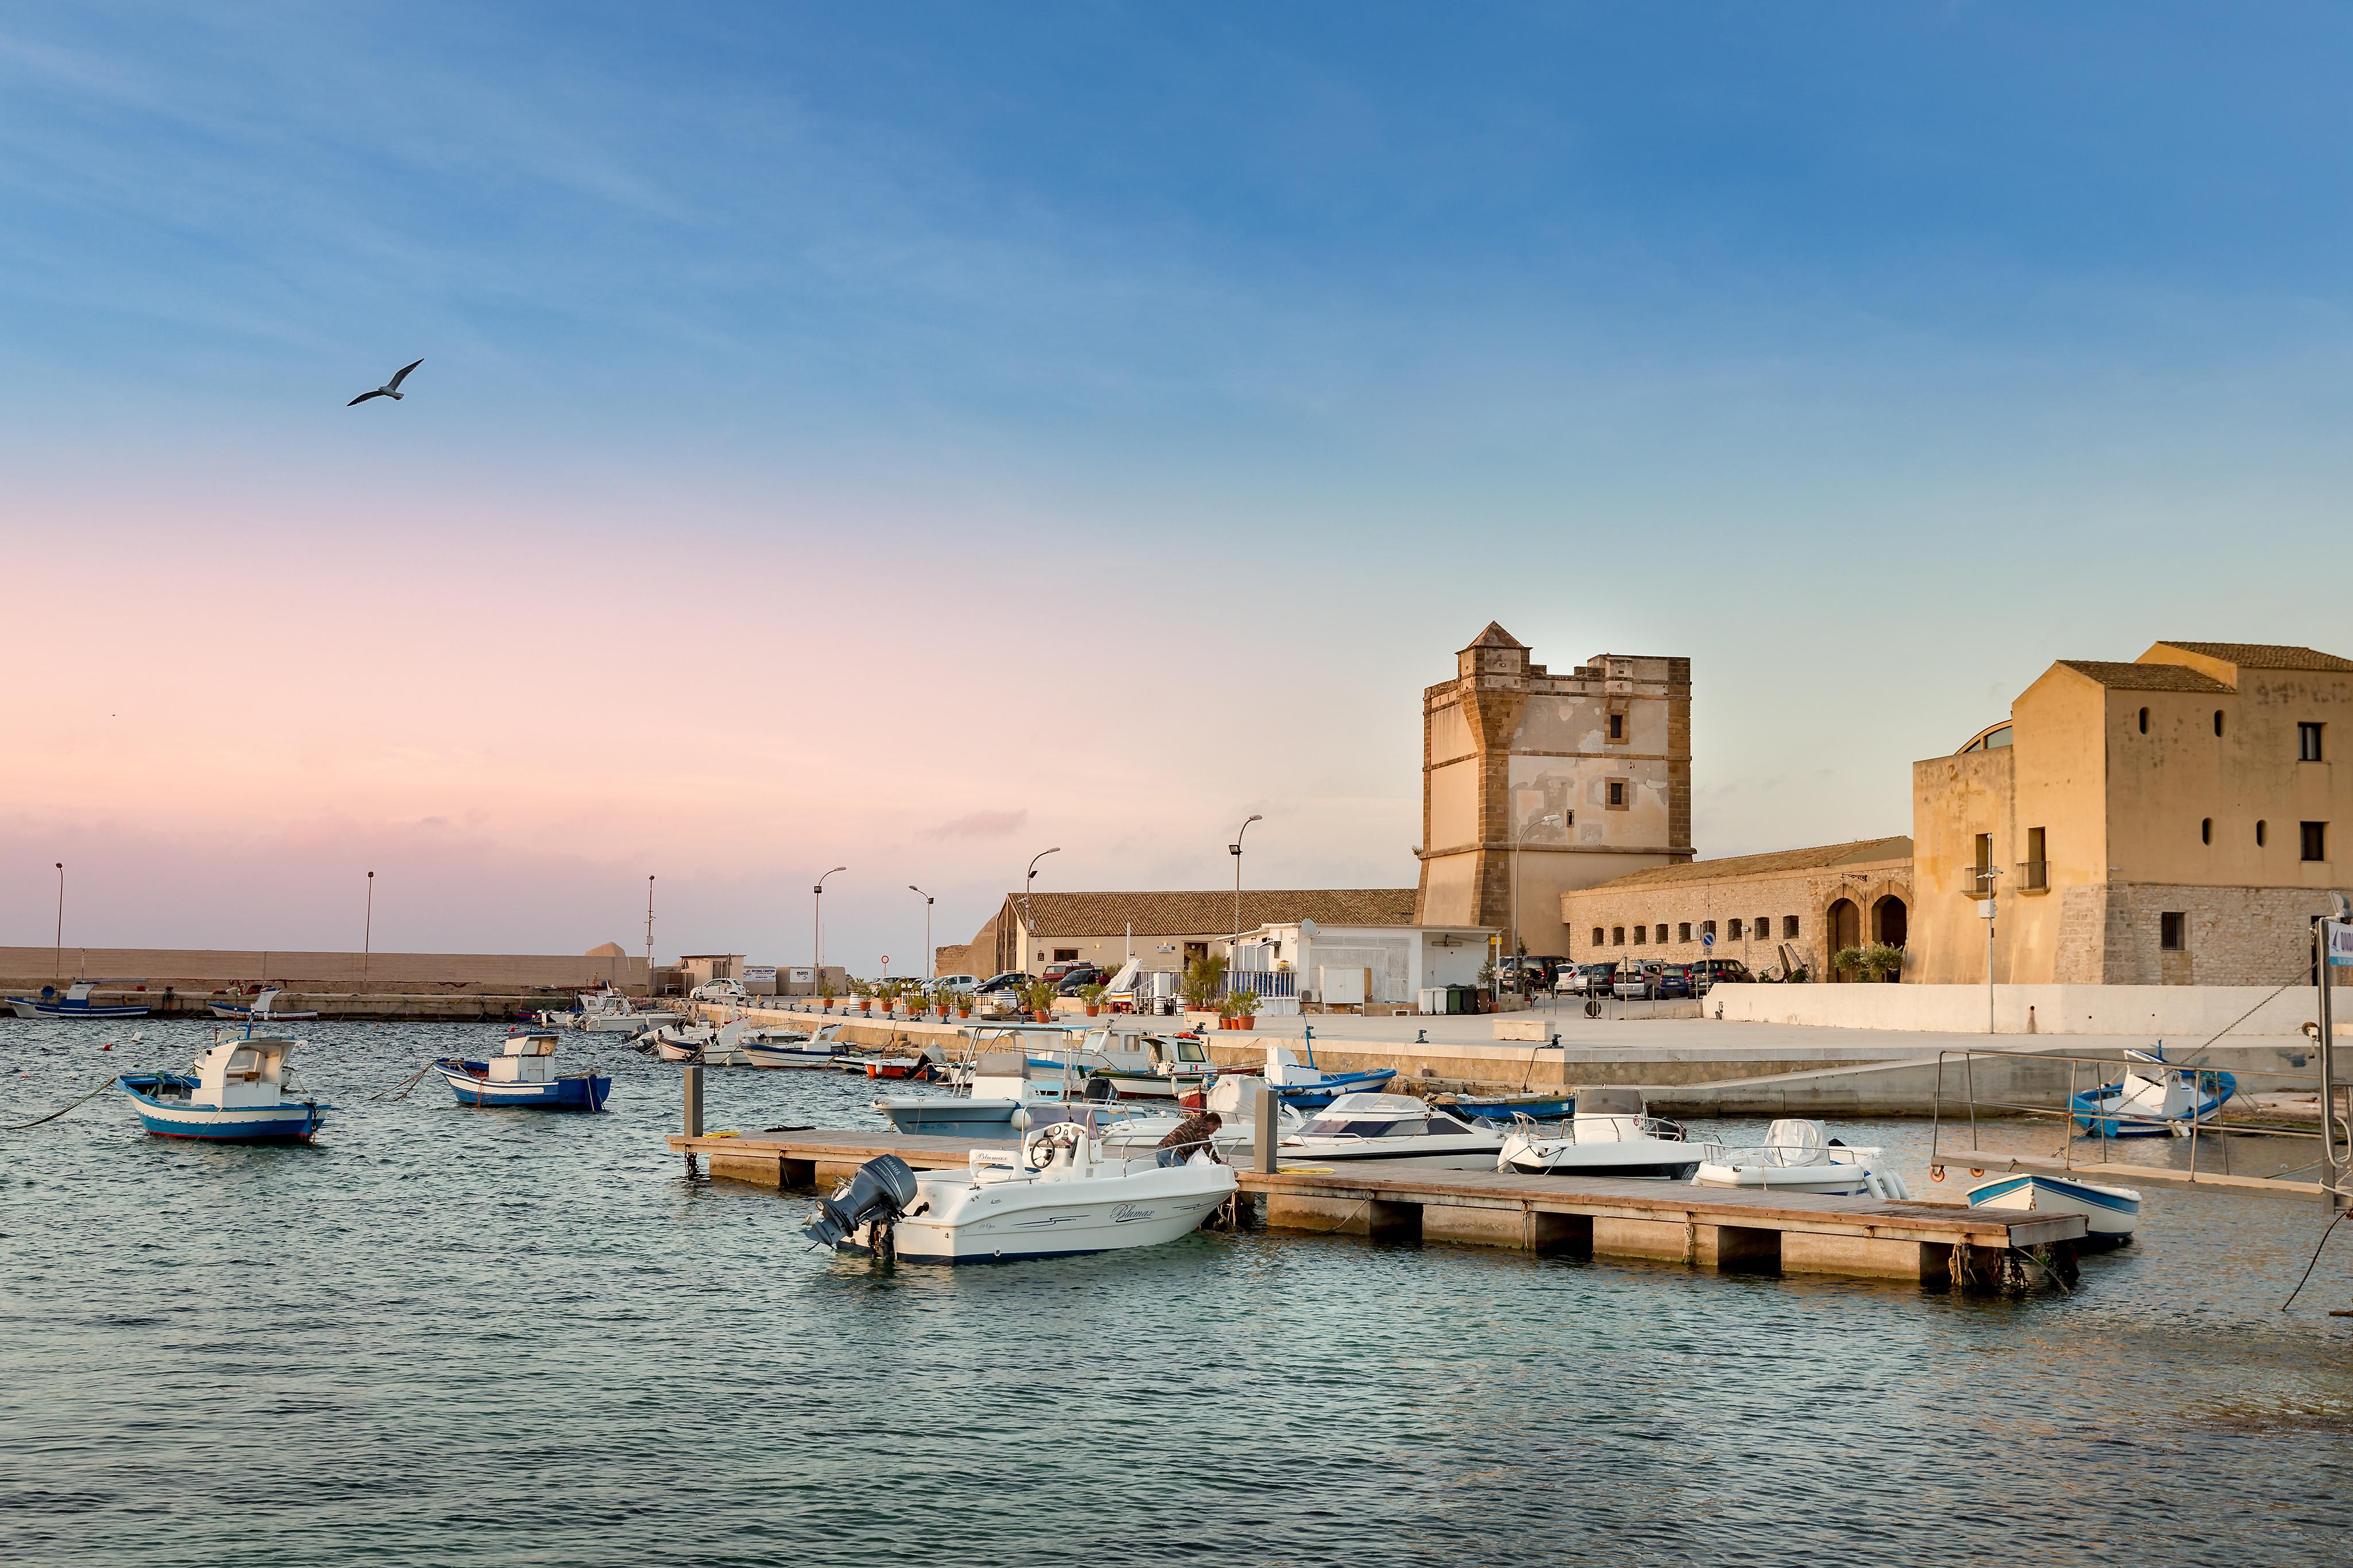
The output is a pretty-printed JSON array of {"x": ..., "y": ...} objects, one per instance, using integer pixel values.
[
  {"x": 394, "y": 384},
  {"x": 364, "y": 396}
]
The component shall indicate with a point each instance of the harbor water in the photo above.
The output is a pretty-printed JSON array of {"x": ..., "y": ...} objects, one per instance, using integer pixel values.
[{"x": 451, "y": 1336}]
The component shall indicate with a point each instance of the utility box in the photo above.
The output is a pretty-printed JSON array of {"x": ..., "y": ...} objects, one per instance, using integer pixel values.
[{"x": 1343, "y": 986}]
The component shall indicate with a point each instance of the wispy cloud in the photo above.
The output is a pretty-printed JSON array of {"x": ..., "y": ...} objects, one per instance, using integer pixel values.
[{"x": 977, "y": 825}]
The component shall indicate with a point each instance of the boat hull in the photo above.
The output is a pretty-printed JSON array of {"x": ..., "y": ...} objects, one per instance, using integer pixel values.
[
  {"x": 1316, "y": 1096},
  {"x": 580, "y": 1092},
  {"x": 1628, "y": 1164},
  {"x": 248, "y": 1016},
  {"x": 775, "y": 1057},
  {"x": 28, "y": 1008},
  {"x": 1022, "y": 1220},
  {"x": 2110, "y": 1214},
  {"x": 1829, "y": 1179},
  {"x": 294, "y": 1122}
]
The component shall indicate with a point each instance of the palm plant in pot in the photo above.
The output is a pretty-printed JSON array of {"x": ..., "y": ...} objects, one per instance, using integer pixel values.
[
  {"x": 1240, "y": 1010},
  {"x": 1203, "y": 978},
  {"x": 865, "y": 992},
  {"x": 1039, "y": 996},
  {"x": 1093, "y": 996}
]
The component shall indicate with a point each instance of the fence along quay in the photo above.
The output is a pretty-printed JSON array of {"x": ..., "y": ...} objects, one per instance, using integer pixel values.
[{"x": 1721, "y": 1228}]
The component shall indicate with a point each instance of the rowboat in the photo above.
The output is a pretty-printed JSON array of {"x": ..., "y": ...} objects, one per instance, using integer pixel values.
[{"x": 2110, "y": 1214}]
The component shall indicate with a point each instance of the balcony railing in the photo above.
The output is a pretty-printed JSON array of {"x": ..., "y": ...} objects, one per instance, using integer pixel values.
[
  {"x": 2033, "y": 876},
  {"x": 1979, "y": 883}
]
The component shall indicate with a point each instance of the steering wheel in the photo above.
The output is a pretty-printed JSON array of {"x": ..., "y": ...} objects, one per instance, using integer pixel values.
[{"x": 1038, "y": 1152}]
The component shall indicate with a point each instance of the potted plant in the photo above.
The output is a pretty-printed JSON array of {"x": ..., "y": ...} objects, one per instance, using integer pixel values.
[
  {"x": 825, "y": 993},
  {"x": 1040, "y": 996},
  {"x": 1241, "y": 1010},
  {"x": 1092, "y": 996},
  {"x": 865, "y": 993},
  {"x": 1875, "y": 963},
  {"x": 963, "y": 1005},
  {"x": 887, "y": 993},
  {"x": 1203, "y": 979}
]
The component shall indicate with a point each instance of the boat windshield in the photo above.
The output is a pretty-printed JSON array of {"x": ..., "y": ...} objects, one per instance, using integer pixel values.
[{"x": 1367, "y": 1127}]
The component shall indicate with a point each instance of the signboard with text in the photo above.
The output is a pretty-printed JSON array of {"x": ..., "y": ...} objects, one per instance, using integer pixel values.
[{"x": 2338, "y": 937}]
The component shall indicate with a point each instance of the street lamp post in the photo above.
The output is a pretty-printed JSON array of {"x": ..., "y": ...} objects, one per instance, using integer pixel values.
[
  {"x": 58, "y": 968},
  {"x": 1233, "y": 950},
  {"x": 816, "y": 929},
  {"x": 1028, "y": 919},
  {"x": 650, "y": 939},
  {"x": 367, "y": 932},
  {"x": 1985, "y": 909},
  {"x": 928, "y": 965}
]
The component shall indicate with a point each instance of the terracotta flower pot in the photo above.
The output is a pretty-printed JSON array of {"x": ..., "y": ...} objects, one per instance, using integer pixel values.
[
  {"x": 1247, "y": 1021},
  {"x": 865, "y": 1005},
  {"x": 1042, "y": 1016},
  {"x": 1093, "y": 1010}
]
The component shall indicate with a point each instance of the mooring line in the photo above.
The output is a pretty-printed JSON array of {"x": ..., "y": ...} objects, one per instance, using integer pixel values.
[{"x": 53, "y": 1115}]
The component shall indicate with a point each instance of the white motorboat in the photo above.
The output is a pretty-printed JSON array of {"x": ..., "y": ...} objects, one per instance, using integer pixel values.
[
  {"x": 1612, "y": 1134},
  {"x": 1059, "y": 1195},
  {"x": 676, "y": 1042},
  {"x": 2110, "y": 1214},
  {"x": 775, "y": 1048},
  {"x": 1233, "y": 1099},
  {"x": 609, "y": 1012},
  {"x": 1796, "y": 1156},
  {"x": 1391, "y": 1130},
  {"x": 2155, "y": 1099}
]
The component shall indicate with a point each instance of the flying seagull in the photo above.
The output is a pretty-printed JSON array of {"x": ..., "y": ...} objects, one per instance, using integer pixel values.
[{"x": 389, "y": 389}]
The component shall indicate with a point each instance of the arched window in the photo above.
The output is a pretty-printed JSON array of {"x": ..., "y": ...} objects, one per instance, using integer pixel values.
[
  {"x": 2205, "y": 830},
  {"x": 2143, "y": 721},
  {"x": 2259, "y": 833}
]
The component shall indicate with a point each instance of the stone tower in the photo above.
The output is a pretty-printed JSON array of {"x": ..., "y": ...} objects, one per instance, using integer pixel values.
[{"x": 1587, "y": 775}]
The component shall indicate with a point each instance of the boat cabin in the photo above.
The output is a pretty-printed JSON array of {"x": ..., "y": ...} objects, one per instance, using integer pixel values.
[
  {"x": 236, "y": 1074},
  {"x": 1611, "y": 1113},
  {"x": 1011, "y": 1075},
  {"x": 1381, "y": 1116},
  {"x": 527, "y": 1059}
]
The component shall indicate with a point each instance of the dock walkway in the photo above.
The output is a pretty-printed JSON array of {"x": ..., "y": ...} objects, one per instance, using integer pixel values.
[{"x": 1727, "y": 1228}]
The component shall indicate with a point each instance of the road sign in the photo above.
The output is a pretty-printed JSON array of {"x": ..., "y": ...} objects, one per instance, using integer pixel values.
[
  {"x": 1707, "y": 939},
  {"x": 2339, "y": 936},
  {"x": 886, "y": 961}
]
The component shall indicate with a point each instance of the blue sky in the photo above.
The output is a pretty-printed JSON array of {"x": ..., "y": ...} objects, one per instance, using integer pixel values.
[{"x": 1228, "y": 365}]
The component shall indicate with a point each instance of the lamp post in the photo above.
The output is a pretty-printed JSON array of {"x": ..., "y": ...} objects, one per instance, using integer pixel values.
[
  {"x": 927, "y": 927},
  {"x": 650, "y": 939},
  {"x": 1233, "y": 950},
  {"x": 816, "y": 929},
  {"x": 1028, "y": 919},
  {"x": 367, "y": 932},
  {"x": 58, "y": 968},
  {"x": 1985, "y": 911}
]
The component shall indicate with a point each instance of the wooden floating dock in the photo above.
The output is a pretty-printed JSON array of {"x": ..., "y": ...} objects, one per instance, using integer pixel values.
[{"x": 1793, "y": 1233}]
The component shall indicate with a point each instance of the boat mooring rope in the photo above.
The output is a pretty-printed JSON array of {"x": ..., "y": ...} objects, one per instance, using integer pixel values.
[
  {"x": 2315, "y": 1261},
  {"x": 405, "y": 1085},
  {"x": 53, "y": 1115}
]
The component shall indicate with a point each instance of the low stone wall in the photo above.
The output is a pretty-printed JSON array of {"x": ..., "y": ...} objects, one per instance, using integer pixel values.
[
  {"x": 2159, "y": 1011},
  {"x": 210, "y": 969}
]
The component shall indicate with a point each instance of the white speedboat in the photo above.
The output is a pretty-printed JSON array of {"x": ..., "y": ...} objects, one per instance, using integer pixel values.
[
  {"x": 1797, "y": 1157},
  {"x": 611, "y": 1013},
  {"x": 1057, "y": 1196},
  {"x": 792, "y": 1047},
  {"x": 2110, "y": 1214},
  {"x": 1391, "y": 1130},
  {"x": 1612, "y": 1134},
  {"x": 1234, "y": 1101},
  {"x": 676, "y": 1042}
]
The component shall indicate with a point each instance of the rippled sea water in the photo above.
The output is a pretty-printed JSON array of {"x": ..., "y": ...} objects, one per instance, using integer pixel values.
[{"x": 444, "y": 1336}]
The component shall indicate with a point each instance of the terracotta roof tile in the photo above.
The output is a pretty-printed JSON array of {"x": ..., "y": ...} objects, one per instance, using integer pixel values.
[
  {"x": 1861, "y": 852},
  {"x": 2144, "y": 677},
  {"x": 1208, "y": 913},
  {"x": 2263, "y": 656}
]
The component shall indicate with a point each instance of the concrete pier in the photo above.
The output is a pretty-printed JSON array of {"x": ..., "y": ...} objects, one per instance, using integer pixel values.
[{"x": 1707, "y": 1228}]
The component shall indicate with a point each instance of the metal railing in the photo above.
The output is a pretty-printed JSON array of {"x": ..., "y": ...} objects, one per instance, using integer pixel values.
[
  {"x": 2199, "y": 1130},
  {"x": 2033, "y": 875}
]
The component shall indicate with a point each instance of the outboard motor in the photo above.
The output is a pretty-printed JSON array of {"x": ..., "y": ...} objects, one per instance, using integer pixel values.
[{"x": 879, "y": 1192}]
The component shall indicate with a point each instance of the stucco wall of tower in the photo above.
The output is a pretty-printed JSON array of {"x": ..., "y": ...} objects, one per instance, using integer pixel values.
[{"x": 1954, "y": 799}]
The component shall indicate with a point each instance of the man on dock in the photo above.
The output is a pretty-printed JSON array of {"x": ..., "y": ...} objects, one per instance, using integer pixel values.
[{"x": 1193, "y": 1133}]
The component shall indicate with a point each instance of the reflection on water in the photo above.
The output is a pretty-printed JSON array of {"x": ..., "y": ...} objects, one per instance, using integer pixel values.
[{"x": 453, "y": 1336}]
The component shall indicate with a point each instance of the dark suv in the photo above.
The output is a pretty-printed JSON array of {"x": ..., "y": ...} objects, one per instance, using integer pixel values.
[
  {"x": 1077, "y": 975},
  {"x": 1710, "y": 972}
]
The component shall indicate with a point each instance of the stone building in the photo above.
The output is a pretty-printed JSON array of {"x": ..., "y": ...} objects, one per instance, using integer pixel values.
[
  {"x": 1164, "y": 930},
  {"x": 1799, "y": 906},
  {"x": 2170, "y": 821},
  {"x": 1534, "y": 783}
]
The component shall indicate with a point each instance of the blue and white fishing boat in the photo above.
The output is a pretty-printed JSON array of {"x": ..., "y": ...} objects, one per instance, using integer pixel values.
[
  {"x": 775, "y": 1048},
  {"x": 523, "y": 1075},
  {"x": 263, "y": 1011},
  {"x": 1309, "y": 1088},
  {"x": 2110, "y": 1214},
  {"x": 74, "y": 1003},
  {"x": 2156, "y": 1100},
  {"x": 237, "y": 1095},
  {"x": 1511, "y": 1107}
]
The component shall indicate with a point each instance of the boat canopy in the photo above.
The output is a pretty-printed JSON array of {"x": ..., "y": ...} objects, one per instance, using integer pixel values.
[
  {"x": 1609, "y": 1100},
  {"x": 530, "y": 1046}
]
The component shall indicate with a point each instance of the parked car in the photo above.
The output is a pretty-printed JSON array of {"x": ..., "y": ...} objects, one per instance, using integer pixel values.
[
  {"x": 719, "y": 991},
  {"x": 1053, "y": 972},
  {"x": 967, "y": 983},
  {"x": 1584, "y": 979},
  {"x": 1078, "y": 975},
  {"x": 1710, "y": 972}
]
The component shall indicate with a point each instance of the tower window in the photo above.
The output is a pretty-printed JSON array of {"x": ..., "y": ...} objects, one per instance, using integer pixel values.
[
  {"x": 2259, "y": 833},
  {"x": 1662, "y": 930},
  {"x": 1788, "y": 928},
  {"x": 2173, "y": 932},
  {"x": 1617, "y": 726},
  {"x": 1708, "y": 928},
  {"x": 2143, "y": 721},
  {"x": 1617, "y": 936},
  {"x": 1682, "y": 931},
  {"x": 2218, "y": 722},
  {"x": 2307, "y": 743},
  {"x": 1733, "y": 931},
  {"x": 1763, "y": 929},
  {"x": 1641, "y": 934},
  {"x": 2315, "y": 840},
  {"x": 1596, "y": 936},
  {"x": 2205, "y": 830},
  {"x": 1617, "y": 794}
]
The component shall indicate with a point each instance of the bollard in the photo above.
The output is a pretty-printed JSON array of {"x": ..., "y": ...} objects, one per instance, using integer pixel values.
[
  {"x": 1265, "y": 1131},
  {"x": 692, "y": 1096}
]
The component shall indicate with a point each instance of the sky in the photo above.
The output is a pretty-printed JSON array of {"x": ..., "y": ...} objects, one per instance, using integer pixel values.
[{"x": 911, "y": 437}]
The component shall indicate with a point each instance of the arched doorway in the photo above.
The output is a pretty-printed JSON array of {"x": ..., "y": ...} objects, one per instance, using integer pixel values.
[
  {"x": 1890, "y": 923},
  {"x": 1845, "y": 927}
]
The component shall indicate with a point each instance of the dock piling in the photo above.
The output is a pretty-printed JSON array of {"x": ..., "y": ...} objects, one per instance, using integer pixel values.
[
  {"x": 690, "y": 1099},
  {"x": 1263, "y": 1131}
]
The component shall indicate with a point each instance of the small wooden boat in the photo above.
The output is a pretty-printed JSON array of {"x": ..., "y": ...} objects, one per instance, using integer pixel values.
[
  {"x": 2110, "y": 1214},
  {"x": 523, "y": 1076},
  {"x": 237, "y": 1095},
  {"x": 263, "y": 1011},
  {"x": 1309, "y": 1088},
  {"x": 74, "y": 1003},
  {"x": 2156, "y": 1100},
  {"x": 1508, "y": 1107}
]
